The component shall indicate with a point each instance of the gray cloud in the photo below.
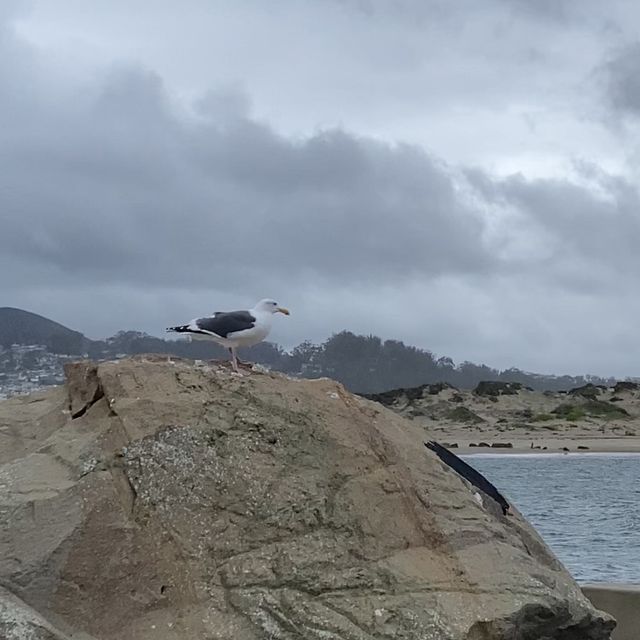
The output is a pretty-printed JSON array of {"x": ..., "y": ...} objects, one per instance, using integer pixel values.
[
  {"x": 453, "y": 77},
  {"x": 586, "y": 234},
  {"x": 125, "y": 184},
  {"x": 621, "y": 80},
  {"x": 140, "y": 190}
]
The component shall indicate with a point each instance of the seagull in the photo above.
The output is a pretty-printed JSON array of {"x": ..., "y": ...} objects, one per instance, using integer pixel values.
[{"x": 233, "y": 329}]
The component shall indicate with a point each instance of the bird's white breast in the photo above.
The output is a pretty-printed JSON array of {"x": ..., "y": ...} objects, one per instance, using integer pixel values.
[{"x": 257, "y": 333}]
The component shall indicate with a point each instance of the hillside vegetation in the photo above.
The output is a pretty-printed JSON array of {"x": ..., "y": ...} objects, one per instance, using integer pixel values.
[
  {"x": 23, "y": 327},
  {"x": 364, "y": 364}
]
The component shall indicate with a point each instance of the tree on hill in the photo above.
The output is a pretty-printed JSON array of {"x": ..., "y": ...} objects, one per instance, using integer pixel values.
[{"x": 364, "y": 364}]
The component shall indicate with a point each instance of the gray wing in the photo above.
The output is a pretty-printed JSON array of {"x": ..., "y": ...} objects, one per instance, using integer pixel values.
[{"x": 224, "y": 323}]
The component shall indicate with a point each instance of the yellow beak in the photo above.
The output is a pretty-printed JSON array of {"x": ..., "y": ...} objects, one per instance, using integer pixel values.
[{"x": 283, "y": 310}]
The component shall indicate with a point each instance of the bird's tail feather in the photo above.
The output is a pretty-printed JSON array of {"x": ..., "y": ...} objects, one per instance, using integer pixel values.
[{"x": 179, "y": 329}]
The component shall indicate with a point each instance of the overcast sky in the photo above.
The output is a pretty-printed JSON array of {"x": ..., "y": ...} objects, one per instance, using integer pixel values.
[{"x": 459, "y": 175}]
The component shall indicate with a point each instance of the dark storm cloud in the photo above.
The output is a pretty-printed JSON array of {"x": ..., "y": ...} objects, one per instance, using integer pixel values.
[{"x": 115, "y": 183}]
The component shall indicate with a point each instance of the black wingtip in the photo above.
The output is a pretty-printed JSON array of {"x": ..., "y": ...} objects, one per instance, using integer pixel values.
[{"x": 180, "y": 329}]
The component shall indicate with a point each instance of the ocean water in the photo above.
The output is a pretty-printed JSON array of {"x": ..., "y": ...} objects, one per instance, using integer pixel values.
[{"x": 585, "y": 506}]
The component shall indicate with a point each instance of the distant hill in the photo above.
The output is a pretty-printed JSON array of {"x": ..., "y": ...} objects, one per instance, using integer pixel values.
[
  {"x": 364, "y": 364},
  {"x": 23, "y": 327}
]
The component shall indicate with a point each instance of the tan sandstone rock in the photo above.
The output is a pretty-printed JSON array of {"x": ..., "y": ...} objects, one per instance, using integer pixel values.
[{"x": 186, "y": 502}]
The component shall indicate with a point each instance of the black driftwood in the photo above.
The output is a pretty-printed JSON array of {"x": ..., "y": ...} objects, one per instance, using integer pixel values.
[{"x": 468, "y": 473}]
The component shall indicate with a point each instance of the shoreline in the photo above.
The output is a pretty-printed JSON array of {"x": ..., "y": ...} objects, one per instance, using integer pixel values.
[
  {"x": 547, "y": 454},
  {"x": 541, "y": 447}
]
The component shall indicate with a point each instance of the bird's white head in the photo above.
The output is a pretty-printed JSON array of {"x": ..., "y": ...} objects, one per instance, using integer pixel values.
[{"x": 270, "y": 306}]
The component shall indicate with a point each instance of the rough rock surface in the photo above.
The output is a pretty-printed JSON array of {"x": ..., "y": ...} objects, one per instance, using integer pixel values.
[
  {"x": 18, "y": 621},
  {"x": 184, "y": 501}
]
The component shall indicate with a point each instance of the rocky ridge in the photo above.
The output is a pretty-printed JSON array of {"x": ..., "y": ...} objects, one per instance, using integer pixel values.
[{"x": 154, "y": 498}]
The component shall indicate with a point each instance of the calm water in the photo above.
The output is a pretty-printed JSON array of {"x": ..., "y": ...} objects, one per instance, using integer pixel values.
[{"x": 586, "y": 507}]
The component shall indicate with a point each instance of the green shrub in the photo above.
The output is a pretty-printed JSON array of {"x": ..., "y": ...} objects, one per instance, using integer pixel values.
[
  {"x": 462, "y": 414},
  {"x": 542, "y": 417},
  {"x": 604, "y": 409},
  {"x": 570, "y": 412},
  {"x": 590, "y": 408}
]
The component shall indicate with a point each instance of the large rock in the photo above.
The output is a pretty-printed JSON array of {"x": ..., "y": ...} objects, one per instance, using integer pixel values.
[
  {"x": 19, "y": 621},
  {"x": 184, "y": 501}
]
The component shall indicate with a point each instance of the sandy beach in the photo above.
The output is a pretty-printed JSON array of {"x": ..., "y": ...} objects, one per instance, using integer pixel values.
[
  {"x": 506, "y": 418},
  {"x": 545, "y": 446}
]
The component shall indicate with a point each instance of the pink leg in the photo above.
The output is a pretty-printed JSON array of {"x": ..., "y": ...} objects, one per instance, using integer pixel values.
[{"x": 234, "y": 360}]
